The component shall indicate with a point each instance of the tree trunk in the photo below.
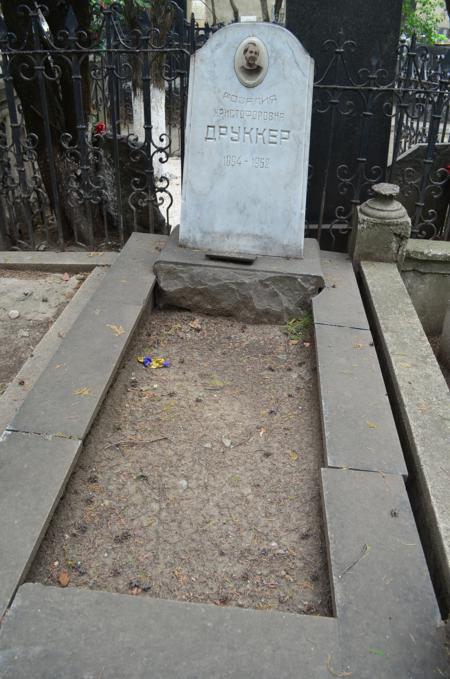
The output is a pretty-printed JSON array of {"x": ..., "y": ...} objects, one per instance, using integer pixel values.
[
  {"x": 278, "y": 6},
  {"x": 56, "y": 95},
  {"x": 264, "y": 10},
  {"x": 235, "y": 10},
  {"x": 214, "y": 14}
]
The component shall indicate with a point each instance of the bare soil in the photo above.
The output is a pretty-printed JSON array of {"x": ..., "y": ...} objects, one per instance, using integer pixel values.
[
  {"x": 39, "y": 297},
  {"x": 200, "y": 482}
]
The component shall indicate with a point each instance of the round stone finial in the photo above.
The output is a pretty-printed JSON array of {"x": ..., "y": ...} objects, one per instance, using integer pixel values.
[
  {"x": 383, "y": 205},
  {"x": 385, "y": 189}
]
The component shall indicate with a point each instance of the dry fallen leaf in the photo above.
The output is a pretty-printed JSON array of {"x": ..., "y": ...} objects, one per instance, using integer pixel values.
[
  {"x": 332, "y": 671},
  {"x": 83, "y": 391},
  {"x": 215, "y": 384},
  {"x": 293, "y": 455},
  {"x": 63, "y": 579},
  {"x": 262, "y": 431},
  {"x": 371, "y": 425},
  {"x": 180, "y": 576},
  {"x": 358, "y": 345},
  {"x": 195, "y": 324},
  {"x": 117, "y": 329}
]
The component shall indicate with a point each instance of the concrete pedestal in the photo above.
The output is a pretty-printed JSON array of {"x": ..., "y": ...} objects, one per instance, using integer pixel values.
[{"x": 268, "y": 290}]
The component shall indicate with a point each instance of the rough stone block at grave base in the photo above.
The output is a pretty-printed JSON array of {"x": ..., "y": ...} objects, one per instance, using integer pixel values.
[
  {"x": 247, "y": 142},
  {"x": 389, "y": 621},
  {"x": 271, "y": 290},
  {"x": 51, "y": 633},
  {"x": 33, "y": 474}
]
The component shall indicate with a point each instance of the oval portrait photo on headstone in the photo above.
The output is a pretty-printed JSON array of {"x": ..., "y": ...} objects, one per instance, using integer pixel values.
[{"x": 251, "y": 62}]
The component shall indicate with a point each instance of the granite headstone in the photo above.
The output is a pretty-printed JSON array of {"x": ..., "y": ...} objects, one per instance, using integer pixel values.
[{"x": 247, "y": 143}]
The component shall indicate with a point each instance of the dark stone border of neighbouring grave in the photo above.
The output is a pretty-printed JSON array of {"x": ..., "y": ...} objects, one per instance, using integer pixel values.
[{"x": 387, "y": 621}]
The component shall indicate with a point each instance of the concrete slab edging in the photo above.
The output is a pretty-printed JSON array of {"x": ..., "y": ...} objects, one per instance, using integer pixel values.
[
  {"x": 422, "y": 403},
  {"x": 358, "y": 427},
  {"x": 15, "y": 393},
  {"x": 76, "y": 262},
  {"x": 42, "y": 441},
  {"x": 377, "y": 564},
  {"x": 387, "y": 623}
]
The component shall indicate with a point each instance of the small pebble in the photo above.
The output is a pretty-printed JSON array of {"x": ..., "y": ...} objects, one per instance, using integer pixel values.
[
  {"x": 182, "y": 484},
  {"x": 13, "y": 314},
  {"x": 24, "y": 333}
]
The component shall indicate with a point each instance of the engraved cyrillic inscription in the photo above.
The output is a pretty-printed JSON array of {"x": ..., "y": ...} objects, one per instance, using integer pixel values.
[{"x": 247, "y": 135}]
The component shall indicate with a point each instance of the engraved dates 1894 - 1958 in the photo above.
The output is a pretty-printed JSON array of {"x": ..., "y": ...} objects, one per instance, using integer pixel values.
[{"x": 257, "y": 162}]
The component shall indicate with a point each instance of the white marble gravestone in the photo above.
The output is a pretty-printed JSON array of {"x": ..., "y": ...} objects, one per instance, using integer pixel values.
[{"x": 247, "y": 143}]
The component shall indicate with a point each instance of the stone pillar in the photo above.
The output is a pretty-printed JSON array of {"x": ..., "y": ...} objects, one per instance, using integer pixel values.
[
  {"x": 383, "y": 227},
  {"x": 444, "y": 344}
]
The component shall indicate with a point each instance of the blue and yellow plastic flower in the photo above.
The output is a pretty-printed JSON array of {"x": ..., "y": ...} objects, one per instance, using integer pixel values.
[{"x": 154, "y": 363}]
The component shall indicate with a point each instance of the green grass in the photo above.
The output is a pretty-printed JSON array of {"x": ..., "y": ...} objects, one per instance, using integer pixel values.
[{"x": 298, "y": 328}]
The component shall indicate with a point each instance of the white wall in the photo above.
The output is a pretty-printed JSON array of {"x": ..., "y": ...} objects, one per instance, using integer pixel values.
[{"x": 249, "y": 8}]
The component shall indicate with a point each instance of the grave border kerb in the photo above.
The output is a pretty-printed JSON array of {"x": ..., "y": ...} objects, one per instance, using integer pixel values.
[{"x": 347, "y": 656}]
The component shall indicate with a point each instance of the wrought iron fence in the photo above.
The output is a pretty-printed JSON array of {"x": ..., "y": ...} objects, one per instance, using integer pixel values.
[
  {"x": 394, "y": 129},
  {"x": 82, "y": 160}
]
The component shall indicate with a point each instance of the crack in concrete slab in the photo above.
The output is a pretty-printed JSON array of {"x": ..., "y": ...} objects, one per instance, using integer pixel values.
[
  {"x": 344, "y": 468},
  {"x": 338, "y": 325},
  {"x": 47, "y": 437}
]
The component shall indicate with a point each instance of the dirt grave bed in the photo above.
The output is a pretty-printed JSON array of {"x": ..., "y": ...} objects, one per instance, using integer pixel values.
[
  {"x": 200, "y": 482},
  {"x": 38, "y": 298}
]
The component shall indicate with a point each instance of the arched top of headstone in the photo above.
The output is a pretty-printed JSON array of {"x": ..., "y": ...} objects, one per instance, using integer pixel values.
[
  {"x": 247, "y": 142},
  {"x": 278, "y": 51}
]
